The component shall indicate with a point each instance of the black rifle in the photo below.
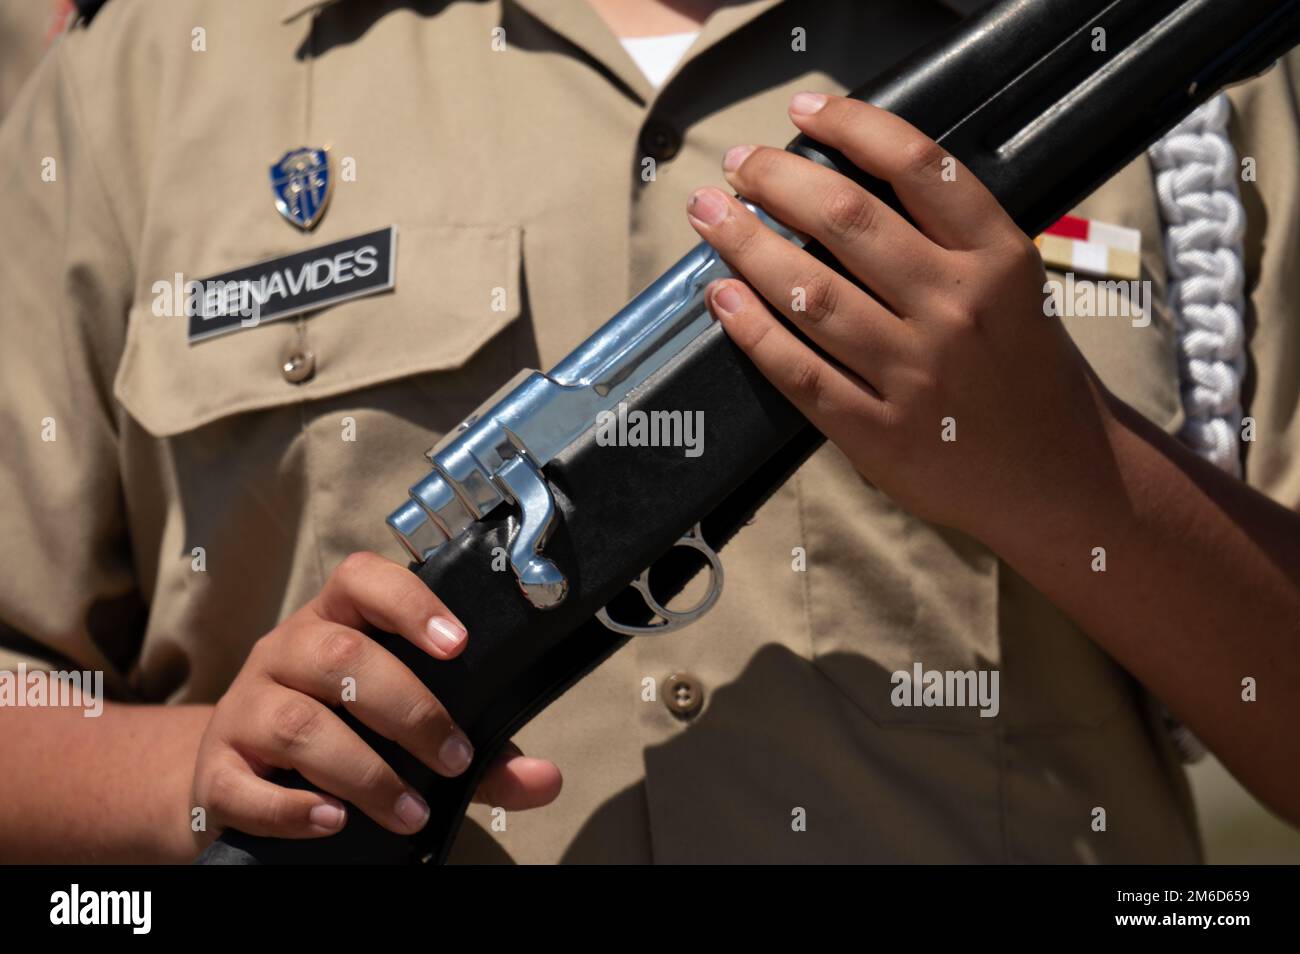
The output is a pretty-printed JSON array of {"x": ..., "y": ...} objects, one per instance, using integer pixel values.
[{"x": 1024, "y": 96}]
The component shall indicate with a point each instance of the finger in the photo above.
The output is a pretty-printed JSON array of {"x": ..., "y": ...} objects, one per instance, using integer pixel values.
[
  {"x": 859, "y": 331},
  {"x": 516, "y": 782},
  {"x": 294, "y": 731},
  {"x": 835, "y": 403},
  {"x": 941, "y": 195},
  {"x": 868, "y": 238},
  {"x": 367, "y": 589},
  {"x": 338, "y": 665},
  {"x": 238, "y": 798}
]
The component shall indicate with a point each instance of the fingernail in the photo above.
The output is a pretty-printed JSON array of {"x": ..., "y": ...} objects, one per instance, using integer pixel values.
[
  {"x": 445, "y": 633},
  {"x": 805, "y": 104},
  {"x": 734, "y": 157},
  {"x": 707, "y": 205},
  {"x": 412, "y": 811},
  {"x": 326, "y": 816},
  {"x": 727, "y": 300},
  {"x": 455, "y": 754}
]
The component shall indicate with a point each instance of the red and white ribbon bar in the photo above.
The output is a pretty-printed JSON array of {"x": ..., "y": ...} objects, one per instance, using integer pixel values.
[{"x": 1095, "y": 248}]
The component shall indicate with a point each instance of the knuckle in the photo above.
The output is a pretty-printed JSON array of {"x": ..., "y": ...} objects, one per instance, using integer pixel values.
[
  {"x": 745, "y": 235},
  {"x": 293, "y": 722},
  {"x": 217, "y": 794},
  {"x": 760, "y": 164},
  {"x": 339, "y": 651},
  {"x": 1023, "y": 255},
  {"x": 752, "y": 338},
  {"x": 907, "y": 421},
  {"x": 966, "y": 317},
  {"x": 374, "y": 775},
  {"x": 354, "y": 566},
  {"x": 923, "y": 157},
  {"x": 822, "y": 298},
  {"x": 412, "y": 600},
  {"x": 263, "y": 649},
  {"x": 751, "y": 335},
  {"x": 894, "y": 428},
  {"x": 283, "y": 813},
  {"x": 849, "y": 213},
  {"x": 924, "y": 381},
  {"x": 423, "y": 714},
  {"x": 806, "y": 379},
  {"x": 895, "y": 432},
  {"x": 961, "y": 313}
]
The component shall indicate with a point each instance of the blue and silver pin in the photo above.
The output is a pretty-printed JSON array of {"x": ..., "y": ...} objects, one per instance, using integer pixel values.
[{"x": 302, "y": 184}]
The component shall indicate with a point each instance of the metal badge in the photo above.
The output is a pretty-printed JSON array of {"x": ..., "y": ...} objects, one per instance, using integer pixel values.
[{"x": 302, "y": 184}]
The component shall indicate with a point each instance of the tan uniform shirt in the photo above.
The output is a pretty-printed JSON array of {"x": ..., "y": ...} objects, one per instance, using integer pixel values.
[{"x": 519, "y": 169}]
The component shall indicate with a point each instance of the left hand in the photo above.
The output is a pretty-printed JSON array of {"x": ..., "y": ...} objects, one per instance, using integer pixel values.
[{"x": 956, "y": 328}]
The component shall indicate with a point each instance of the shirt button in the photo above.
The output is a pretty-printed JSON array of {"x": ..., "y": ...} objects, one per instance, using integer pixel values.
[
  {"x": 683, "y": 695},
  {"x": 660, "y": 141},
  {"x": 299, "y": 365}
]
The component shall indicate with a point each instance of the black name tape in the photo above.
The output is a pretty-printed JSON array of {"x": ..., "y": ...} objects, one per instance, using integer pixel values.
[{"x": 292, "y": 284}]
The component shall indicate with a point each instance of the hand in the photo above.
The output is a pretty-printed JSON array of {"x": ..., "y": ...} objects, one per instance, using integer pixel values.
[
  {"x": 954, "y": 344},
  {"x": 277, "y": 714}
]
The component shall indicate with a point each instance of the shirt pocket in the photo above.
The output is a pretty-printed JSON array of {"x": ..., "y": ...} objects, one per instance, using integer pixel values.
[
  {"x": 456, "y": 287},
  {"x": 277, "y": 481}
]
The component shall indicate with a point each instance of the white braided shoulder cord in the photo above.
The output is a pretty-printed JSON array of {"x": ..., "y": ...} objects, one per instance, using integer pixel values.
[{"x": 1196, "y": 180}]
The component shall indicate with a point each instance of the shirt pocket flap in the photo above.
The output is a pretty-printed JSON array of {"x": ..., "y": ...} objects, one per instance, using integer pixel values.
[{"x": 455, "y": 288}]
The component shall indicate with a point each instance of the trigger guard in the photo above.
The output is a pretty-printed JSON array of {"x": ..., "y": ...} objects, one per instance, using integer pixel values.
[{"x": 673, "y": 620}]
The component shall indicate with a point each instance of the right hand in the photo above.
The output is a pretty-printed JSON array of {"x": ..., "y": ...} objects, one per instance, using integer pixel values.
[{"x": 277, "y": 715}]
